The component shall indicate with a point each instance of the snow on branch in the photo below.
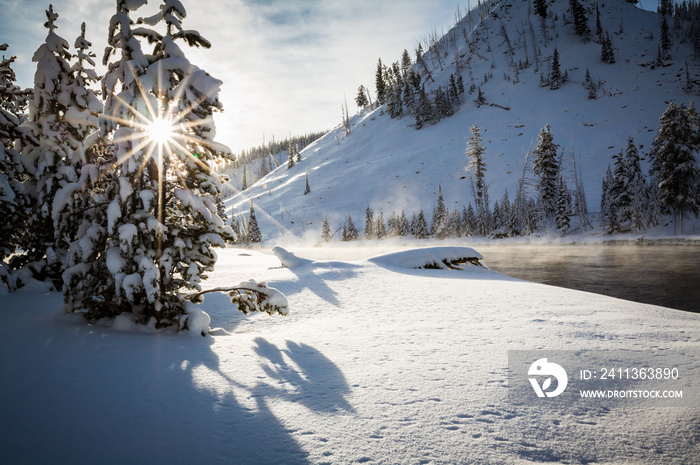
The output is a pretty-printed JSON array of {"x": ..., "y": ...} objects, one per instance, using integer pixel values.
[{"x": 251, "y": 296}]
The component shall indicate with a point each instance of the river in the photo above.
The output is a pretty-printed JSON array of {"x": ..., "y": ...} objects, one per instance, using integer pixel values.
[{"x": 666, "y": 275}]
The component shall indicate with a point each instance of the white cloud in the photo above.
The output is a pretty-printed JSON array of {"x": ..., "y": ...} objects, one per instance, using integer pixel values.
[{"x": 286, "y": 65}]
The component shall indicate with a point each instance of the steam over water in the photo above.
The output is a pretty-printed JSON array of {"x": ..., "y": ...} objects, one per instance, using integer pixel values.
[{"x": 666, "y": 275}]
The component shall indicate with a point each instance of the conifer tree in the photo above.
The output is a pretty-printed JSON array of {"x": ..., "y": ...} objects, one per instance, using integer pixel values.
[
  {"x": 665, "y": 39},
  {"x": 496, "y": 219},
  {"x": 598, "y": 25},
  {"x": 290, "y": 155},
  {"x": 480, "y": 100},
  {"x": 160, "y": 225},
  {"x": 380, "y": 226},
  {"x": 50, "y": 162},
  {"x": 403, "y": 224},
  {"x": 580, "y": 19},
  {"x": 555, "y": 79},
  {"x": 605, "y": 197},
  {"x": 637, "y": 187},
  {"x": 13, "y": 103},
  {"x": 546, "y": 167},
  {"x": 440, "y": 217},
  {"x": 620, "y": 196},
  {"x": 395, "y": 101},
  {"x": 380, "y": 84},
  {"x": 409, "y": 99},
  {"x": 361, "y": 99},
  {"x": 541, "y": 8},
  {"x": 424, "y": 112},
  {"x": 453, "y": 91},
  {"x": 607, "y": 54},
  {"x": 325, "y": 230},
  {"x": 254, "y": 235},
  {"x": 673, "y": 162},
  {"x": 469, "y": 221},
  {"x": 405, "y": 63},
  {"x": 14, "y": 199},
  {"x": 477, "y": 167},
  {"x": 563, "y": 214},
  {"x": 370, "y": 232},
  {"x": 420, "y": 231},
  {"x": 244, "y": 183},
  {"x": 350, "y": 231},
  {"x": 307, "y": 190}
]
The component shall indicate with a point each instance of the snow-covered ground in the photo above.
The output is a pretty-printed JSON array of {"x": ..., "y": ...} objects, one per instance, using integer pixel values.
[{"x": 376, "y": 363}]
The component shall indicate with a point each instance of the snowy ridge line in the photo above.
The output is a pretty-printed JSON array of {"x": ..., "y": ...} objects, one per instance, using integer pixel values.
[{"x": 430, "y": 257}]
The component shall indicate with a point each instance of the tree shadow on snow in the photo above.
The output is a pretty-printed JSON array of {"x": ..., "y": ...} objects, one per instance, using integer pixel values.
[
  {"x": 114, "y": 397},
  {"x": 308, "y": 377},
  {"x": 315, "y": 276}
]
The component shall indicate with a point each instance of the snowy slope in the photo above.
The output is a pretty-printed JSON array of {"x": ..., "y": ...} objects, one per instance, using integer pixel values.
[
  {"x": 375, "y": 363},
  {"x": 389, "y": 165}
]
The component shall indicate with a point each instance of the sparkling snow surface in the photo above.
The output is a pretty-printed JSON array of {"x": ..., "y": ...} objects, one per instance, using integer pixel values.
[{"x": 375, "y": 364}]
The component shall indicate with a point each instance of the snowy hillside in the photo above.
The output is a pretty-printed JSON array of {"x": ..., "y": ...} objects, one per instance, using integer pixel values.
[{"x": 388, "y": 164}]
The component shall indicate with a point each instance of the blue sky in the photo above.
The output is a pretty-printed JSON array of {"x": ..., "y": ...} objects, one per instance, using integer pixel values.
[{"x": 286, "y": 65}]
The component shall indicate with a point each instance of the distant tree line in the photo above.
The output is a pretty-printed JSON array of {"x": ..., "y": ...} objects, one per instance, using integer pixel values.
[{"x": 549, "y": 195}]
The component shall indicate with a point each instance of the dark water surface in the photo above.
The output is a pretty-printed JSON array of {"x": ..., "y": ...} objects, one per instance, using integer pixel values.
[{"x": 666, "y": 275}]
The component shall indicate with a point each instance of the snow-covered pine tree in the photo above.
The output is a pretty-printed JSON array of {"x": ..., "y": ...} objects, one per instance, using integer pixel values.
[
  {"x": 654, "y": 213},
  {"x": 440, "y": 217},
  {"x": 76, "y": 204},
  {"x": 424, "y": 112},
  {"x": 380, "y": 226},
  {"x": 307, "y": 189},
  {"x": 161, "y": 221},
  {"x": 606, "y": 200},
  {"x": 244, "y": 183},
  {"x": 409, "y": 97},
  {"x": 290, "y": 154},
  {"x": 480, "y": 99},
  {"x": 546, "y": 167},
  {"x": 50, "y": 162},
  {"x": 14, "y": 201},
  {"x": 351, "y": 233},
  {"x": 380, "y": 84},
  {"x": 361, "y": 98},
  {"x": 370, "y": 232},
  {"x": 477, "y": 166},
  {"x": 403, "y": 224},
  {"x": 452, "y": 91},
  {"x": 636, "y": 186},
  {"x": 673, "y": 162},
  {"x": 620, "y": 196},
  {"x": 496, "y": 218},
  {"x": 13, "y": 104},
  {"x": 468, "y": 221},
  {"x": 421, "y": 231},
  {"x": 392, "y": 225},
  {"x": 563, "y": 214},
  {"x": 326, "y": 230},
  {"x": 254, "y": 235}
]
